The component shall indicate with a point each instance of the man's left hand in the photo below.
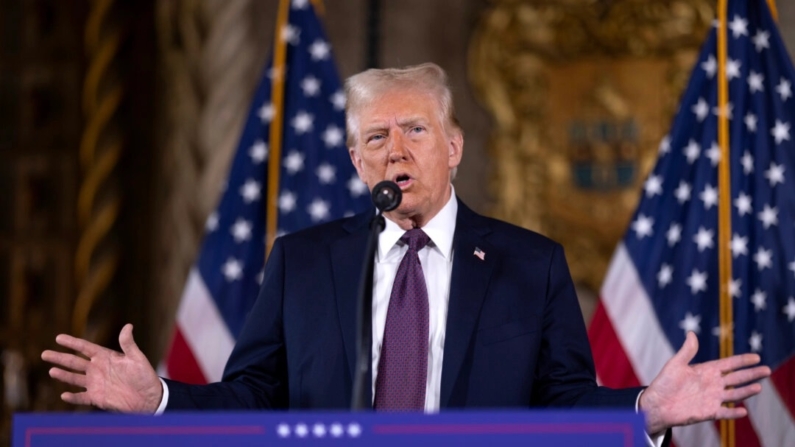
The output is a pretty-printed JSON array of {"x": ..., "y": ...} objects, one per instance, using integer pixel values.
[{"x": 683, "y": 394}]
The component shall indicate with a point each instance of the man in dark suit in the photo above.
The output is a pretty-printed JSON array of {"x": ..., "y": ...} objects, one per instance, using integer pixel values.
[{"x": 492, "y": 321}]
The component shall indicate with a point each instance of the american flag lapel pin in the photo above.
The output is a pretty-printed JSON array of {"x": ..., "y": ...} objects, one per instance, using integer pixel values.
[{"x": 480, "y": 254}]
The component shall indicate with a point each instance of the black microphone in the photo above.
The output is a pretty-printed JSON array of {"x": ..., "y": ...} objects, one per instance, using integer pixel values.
[{"x": 387, "y": 196}]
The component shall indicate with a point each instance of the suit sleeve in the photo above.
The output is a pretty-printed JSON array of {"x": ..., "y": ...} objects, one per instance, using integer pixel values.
[
  {"x": 255, "y": 376},
  {"x": 565, "y": 373}
]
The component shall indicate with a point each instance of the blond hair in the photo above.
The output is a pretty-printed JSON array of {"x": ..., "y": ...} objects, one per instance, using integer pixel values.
[{"x": 364, "y": 88}]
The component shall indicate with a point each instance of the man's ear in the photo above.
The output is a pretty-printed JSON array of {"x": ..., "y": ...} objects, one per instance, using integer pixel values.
[
  {"x": 455, "y": 147},
  {"x": 356, "y": 159}
]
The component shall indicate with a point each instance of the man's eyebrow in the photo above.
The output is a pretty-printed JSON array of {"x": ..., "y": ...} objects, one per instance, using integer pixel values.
[{"x": 412, "y": 120}]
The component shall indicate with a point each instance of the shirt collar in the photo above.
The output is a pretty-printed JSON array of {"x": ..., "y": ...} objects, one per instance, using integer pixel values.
[{"x": 440, "y": 229}]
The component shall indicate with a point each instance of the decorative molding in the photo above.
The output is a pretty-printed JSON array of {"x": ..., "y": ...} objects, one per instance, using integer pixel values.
[{"x": 582, "y": 93}]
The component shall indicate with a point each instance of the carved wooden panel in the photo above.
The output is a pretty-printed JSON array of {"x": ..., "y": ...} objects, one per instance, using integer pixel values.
[{"x": 582, "y": 92}]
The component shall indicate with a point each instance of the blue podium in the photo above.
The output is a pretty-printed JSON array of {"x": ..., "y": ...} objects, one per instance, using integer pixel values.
[{"x": 231, "y": 429}]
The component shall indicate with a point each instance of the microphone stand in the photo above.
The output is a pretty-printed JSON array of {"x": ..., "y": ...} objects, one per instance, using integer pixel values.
[{"x": 362, "y": 381}]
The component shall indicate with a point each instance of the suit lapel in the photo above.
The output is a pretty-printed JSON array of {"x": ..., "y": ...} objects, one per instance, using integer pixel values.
[
  {"x": 347, "y": 258},
  {"x": 468, "y": 284}
]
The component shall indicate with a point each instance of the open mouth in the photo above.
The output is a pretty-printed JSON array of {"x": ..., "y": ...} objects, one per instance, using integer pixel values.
[{"x": 403, "y": 180}]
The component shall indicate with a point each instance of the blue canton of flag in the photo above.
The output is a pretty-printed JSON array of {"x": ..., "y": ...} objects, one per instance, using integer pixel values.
[
  {"x": 664, "y": 278},
  {"x": 317, "y": 183}
]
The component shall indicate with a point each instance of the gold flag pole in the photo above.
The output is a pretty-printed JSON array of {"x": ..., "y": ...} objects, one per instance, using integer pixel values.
[
  {"x": 277, "y": 103},
  {"x": 724, "y": 212}
]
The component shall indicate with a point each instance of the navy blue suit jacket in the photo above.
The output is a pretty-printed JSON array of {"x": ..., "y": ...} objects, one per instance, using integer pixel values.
[{"x": 515, "y": 336}]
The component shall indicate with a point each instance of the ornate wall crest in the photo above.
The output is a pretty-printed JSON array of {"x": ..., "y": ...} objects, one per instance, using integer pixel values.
[{"x": 582, "y": 92}]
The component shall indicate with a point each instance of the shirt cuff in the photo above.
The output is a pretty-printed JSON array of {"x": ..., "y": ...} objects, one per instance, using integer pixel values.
[
  {"x": 164, "y": 401},
  {"x": 651, "y": 441}
]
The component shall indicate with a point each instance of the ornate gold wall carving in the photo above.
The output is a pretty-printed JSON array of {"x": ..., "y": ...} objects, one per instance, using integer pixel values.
[{"x": 582, "y": 92}]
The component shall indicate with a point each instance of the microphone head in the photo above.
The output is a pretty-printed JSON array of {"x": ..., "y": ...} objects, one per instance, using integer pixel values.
[{"x": 386, "y": 196}]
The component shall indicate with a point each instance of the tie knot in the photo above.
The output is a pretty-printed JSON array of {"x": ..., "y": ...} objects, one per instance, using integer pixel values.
[{"x": 416, "y": 238}]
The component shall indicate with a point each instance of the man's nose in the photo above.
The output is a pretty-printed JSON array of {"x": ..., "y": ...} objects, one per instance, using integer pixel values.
[{"x": 397, "y": 147}]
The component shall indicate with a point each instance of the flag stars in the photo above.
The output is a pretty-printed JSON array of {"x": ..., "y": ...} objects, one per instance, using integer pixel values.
[
  {"x": 665, "y": 275},
  {"x": 775, "y": 174},
  {"x": 665, "y": 145},
  {"x": 691, "y": 323},
  {"x": 319, "y": 50},
  {"x": 250, "y": 191},
  {"x": 653, "y": 186},
  {"x": 318, "y": 210},
  {"x": 258, "y": 152},
  {"x": 287, "y": 201},
  {"x": 326, "y": 174},
  {"x": 266, "y": 113},
  {"x": 241, "y": 230},
  {"x": 709, "y": 196},
  {"x": 212, "y": 222},
  {"x": 738, "y": 26},
  {"x": 692, "y": 151},
  {"x": 784, "y": 89},
  {"x": 643, "y": 226},
  {"x": 759, "y": 300},
  {"x": 302, "y": 122},
  {"x": 763, "y": 258},
  {"x": 750, "y": 122},
  {"x": 701, "y": 109},
  {"x": 697, "y": 281},
  {"x": 674, "y": 234},
  {"x": 713, "y": 153},
  {"x": 768, "y": 216},
  {"x": 294, "y": 162},
  {"x": 780, "y": 131},
  {"x": 703, "y": 239},
  {"x": 747, "y": 161},
  {"x": 743, "y": 204},
  {"x": 738, "y": 245},
  {"x": 682, "y": 192},
  {"x": 755, "y": 81},
  {"x": 311, "y": 86},
  {"x": 761, "y": 40},
  {"x": 735, "y": 286},
  {"x": 291, "y": 34},
  {"x": 356, "y": 186},
  {"x": 338, "y": 100},
  {"x": 332, "y": 136},
  {"x": 733, "y": 69},
  {"x": 789, "y": 309},
  {"x": 755, "y": 341},
  {"x": 232, "y": 269},
  {"x": 710, "y": 66}
]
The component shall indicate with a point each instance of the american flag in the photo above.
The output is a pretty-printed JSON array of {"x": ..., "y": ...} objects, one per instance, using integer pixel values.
[
  {"x": 317, "y": 183},
  {"x": 664, "y": 280}
]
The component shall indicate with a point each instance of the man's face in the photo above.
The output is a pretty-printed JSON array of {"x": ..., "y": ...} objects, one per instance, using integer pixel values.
[{"x": 401, "y": 138}]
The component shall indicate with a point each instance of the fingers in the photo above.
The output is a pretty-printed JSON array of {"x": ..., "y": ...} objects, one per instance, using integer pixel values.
[
  {"x": 732, "y": 413},
  {"x": 689, "y": 348},
  {"x": 69, "y": 361},
  {"x": 69, "y": 378},
  {"x": 742, "y": 393},
  {"x": 84, "y": 347},
  {"x": 734, "y": 362},
  {"x": 742, "y": 376},
  {"x": 76, "y": 398},
  {"x": 126, "y": 341}
]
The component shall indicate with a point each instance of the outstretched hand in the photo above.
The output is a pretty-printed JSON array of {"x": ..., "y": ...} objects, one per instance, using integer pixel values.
[
  {"x": 117, "y": 381},
  {"x": 684, "y": 394}
]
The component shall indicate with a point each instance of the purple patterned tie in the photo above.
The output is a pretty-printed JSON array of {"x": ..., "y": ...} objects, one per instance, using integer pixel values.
[{"x": 403, "y": 365}]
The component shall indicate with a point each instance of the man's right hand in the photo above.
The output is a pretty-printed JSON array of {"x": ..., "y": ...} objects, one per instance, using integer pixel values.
[{"x": 116, "y": 381}]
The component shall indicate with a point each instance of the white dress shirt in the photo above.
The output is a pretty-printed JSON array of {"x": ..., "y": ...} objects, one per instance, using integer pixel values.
[{"x": 436, "y": 259}]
